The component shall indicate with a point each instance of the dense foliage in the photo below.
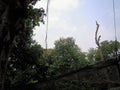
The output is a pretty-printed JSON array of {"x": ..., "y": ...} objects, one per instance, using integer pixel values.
[
  {"x": 66, "y": 56},
  {"x": 17, "y": 61},
  {"x": 109, "y": 50},
  {"x": 25, "y": 65}
]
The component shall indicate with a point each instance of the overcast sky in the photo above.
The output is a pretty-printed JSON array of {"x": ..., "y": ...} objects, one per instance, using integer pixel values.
[{"x": 76, "y": 18}]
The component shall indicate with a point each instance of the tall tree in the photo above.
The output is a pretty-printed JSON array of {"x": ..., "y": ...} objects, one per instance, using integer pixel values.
[
  {"x": 15, "y": 17},
  {"x": 67, "y": 56}
]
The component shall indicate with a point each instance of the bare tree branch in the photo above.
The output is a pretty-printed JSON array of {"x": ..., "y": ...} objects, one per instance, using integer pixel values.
[{"x": 97, "y": 41}]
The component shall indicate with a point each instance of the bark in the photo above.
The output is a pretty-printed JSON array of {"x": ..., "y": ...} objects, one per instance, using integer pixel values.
[
  {"x": 3, "y": 47},
  {"x": 97, "y": 40},
  {"x": 12, "y": 15}
]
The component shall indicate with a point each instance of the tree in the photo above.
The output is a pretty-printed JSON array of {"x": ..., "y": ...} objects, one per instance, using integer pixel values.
[
  {"x": 16, "y": 17},
  {"x": 26, "y": 68},
  {"x": 91, "y": 55},
  {"x": 109, "y": 48},
  {"x": 97, "y": 41},
  {"x": 66, "y": 56}
]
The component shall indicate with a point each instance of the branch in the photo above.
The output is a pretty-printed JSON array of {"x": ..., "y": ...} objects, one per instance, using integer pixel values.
[{"x": 96, "y": 40}]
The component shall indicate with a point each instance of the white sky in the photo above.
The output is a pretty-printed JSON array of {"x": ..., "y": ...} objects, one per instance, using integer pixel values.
[{"x": 76, "y": 18}]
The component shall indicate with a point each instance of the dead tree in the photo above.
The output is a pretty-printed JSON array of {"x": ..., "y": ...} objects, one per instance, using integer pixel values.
[{"x": 97, "y": 40}]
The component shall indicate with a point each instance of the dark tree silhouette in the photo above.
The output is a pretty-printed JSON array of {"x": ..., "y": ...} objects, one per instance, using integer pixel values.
[{"x": 15, "y": 17}]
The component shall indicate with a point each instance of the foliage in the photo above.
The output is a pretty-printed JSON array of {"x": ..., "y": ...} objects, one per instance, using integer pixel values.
[
  {"x": 26, "y": 67},
  {"x": 108, "y": 49},
  {"x": 23, "y": 61},
  {"x": 91, "y": 55},
  {"x": 66, "y": 56}
]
